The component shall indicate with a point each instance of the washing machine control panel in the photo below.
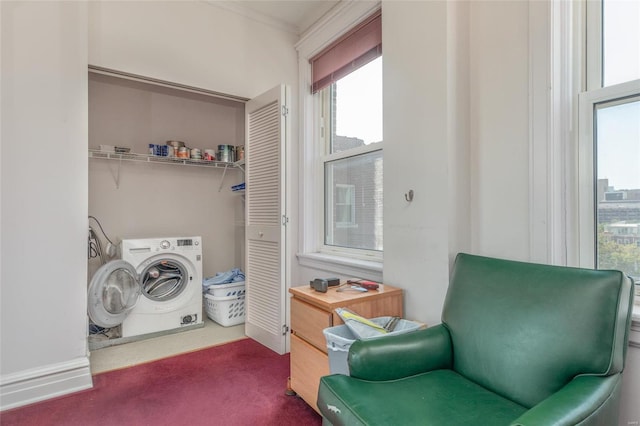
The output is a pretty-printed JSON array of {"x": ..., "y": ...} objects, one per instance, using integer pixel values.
[
  {"x": 183, "y": 242},
  {"x": 186, "y": 242}
]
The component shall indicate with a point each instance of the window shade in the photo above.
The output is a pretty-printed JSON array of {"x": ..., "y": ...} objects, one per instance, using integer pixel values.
[{"x": 356, "y": 48}]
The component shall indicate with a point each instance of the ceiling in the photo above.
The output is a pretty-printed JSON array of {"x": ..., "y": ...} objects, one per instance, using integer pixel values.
[{"x": 292, "y": 15}]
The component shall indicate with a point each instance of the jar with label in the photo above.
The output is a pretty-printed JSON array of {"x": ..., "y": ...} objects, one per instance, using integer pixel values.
[
  {"x": 184, "y": 152},
  {"x": 226, "y": 153},
  {"x": 239, "y": 153}
]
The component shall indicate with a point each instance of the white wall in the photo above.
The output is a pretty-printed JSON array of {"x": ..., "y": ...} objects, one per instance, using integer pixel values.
[
  {"x": 192, "y": 43},
  {"x": 458, "y": 127},
  {"x": 44, "y": 200},
  {"x": 456, "y": 123},
  {"x": 416, "y": 234},
  {"x": 499, "y": 98}
]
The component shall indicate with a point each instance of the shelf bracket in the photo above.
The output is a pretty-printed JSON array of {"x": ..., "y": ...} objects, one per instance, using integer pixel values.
[
  {"x": 116, "y": 176},
  {"x": 222, "y": 179}
]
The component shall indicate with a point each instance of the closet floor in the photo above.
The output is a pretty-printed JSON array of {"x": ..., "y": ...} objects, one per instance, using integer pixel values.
[{"x": 141, "y": 351}]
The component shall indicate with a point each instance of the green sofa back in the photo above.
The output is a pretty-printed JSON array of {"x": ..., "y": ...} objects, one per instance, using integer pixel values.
[{"x": 524, "y": 330}]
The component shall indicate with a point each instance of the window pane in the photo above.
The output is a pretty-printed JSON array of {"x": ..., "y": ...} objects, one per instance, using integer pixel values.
[
  {"x": 353, "y": 202},
  {"x": 345, "y": 200},
  {"x": 618, "y": 186},
  {"x": 621, "y": 41},
  {"x": 357, "y": 108}
]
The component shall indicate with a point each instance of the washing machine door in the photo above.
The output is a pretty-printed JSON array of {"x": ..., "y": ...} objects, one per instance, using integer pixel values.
[{"x": 114, "y": 290}]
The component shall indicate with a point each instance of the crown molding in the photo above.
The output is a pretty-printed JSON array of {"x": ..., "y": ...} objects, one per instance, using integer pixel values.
[
  {"x": 239, "y": 9},
  {"x": 342, "y": 17}
]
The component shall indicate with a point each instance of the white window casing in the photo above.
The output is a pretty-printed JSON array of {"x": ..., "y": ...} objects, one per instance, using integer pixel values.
[
  {"x": 588, "y": 101},
  {"x": 313, "y": 253}
]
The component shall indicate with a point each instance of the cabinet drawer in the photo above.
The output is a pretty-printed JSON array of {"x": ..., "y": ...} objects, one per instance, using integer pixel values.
[
  {"x": 307, "y": 322},
  {"x": 308, "y": 364}
]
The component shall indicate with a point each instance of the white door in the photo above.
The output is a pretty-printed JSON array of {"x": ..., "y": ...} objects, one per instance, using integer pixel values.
[{"x": 266, "y": 135}]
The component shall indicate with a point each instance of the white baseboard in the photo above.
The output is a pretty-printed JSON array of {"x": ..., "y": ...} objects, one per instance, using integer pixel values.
[{"x": 39, "y": 384}]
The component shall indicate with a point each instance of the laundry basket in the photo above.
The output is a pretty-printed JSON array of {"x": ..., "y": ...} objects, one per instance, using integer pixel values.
[
  {"x": 226, "y": 290},
  {"x": 225, "y": 310}
]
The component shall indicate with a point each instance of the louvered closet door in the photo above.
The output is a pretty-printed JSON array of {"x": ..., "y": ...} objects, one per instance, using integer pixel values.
[{"x": 265, "y": 219}]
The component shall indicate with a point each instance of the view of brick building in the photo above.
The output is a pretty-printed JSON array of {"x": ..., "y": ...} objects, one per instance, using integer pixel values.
[{"x": 356, "y": 188}]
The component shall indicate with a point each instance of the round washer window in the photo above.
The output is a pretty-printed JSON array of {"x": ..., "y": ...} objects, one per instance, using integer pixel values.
[
  {"x": 120, "y": 291},
  {"x": 164, "y": 280}
]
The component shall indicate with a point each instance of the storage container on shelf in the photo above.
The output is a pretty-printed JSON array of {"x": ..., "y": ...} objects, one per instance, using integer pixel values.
[{"x": 340, "y": 338}]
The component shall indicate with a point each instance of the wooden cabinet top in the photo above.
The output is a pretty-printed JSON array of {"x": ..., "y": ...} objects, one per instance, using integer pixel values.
[{"x": 335, "y": 299}]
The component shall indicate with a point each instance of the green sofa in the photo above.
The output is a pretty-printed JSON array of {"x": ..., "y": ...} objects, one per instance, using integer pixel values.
[{"x": 519, "y": 344}]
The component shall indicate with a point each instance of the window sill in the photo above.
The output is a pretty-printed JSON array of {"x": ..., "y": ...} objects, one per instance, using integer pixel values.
[{"x": 353, "y": 268}]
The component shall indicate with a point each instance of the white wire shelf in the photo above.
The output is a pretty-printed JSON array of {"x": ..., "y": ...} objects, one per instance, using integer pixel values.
[
  {"x": 155, "y": 159},
  {"x": 147, "y": 158}
]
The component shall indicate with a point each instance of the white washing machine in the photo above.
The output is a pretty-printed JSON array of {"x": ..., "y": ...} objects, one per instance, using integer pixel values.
[{"x": 156, "y": 286}]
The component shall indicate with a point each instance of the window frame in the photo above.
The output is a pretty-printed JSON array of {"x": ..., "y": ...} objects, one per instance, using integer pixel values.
[
  {"x": 329, "y": 28},
  {"x": 322, "y": 139},
  {"x": 587, "y": 71},
  {"x": 587, "y": 209}
]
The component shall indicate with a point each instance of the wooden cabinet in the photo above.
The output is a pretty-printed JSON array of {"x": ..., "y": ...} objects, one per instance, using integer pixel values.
[{"x": 312, "y": 312}]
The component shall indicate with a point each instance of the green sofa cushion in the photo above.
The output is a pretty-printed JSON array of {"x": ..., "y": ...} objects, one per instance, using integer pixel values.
[{"x": 445, "y": 398}]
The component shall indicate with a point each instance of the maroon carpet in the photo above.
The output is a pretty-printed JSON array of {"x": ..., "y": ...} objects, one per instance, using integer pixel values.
[{"x": 240, "y": 383}]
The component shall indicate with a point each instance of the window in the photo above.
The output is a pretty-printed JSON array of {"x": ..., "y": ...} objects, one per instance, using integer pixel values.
[
  {"x": 352, "y": 134},
  {"x": 617, "y": 154},
  {"x": 609, "y": 126},
  {"x": 347, "y": 85},
  {"x": 341, "y": 150}
]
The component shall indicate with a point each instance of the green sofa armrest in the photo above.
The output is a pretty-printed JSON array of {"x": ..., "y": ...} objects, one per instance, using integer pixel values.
[
  {"x": 402, "y": 355},
  {"x": 586, "y": 400}
]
